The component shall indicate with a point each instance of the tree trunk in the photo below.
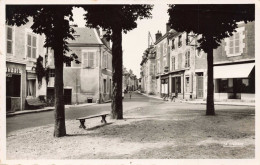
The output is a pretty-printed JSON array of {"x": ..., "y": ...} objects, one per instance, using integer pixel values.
[
  {"x": 59, "y": 113},
  {"x": 117, "y": 64},
  {"x": 210, "y": 94}
]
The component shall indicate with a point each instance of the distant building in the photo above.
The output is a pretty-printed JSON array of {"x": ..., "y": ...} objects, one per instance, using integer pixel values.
[
  {"x": 234, "y": 65},
  {"x": 148, "y": 69},
  {"x": 23, "y": 47},
  {"x": 91, "y": 80},
  {"x": 129, "y": 80}
]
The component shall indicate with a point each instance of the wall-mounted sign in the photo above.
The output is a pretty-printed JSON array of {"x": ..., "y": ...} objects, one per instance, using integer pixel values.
[{"x": 12, "y": 70}]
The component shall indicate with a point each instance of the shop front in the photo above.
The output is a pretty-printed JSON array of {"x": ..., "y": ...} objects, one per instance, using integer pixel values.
[
  {"x": 235, "y": 82},
  {"x": 164, "y": 86},
  {"x": 15, "y": 85}
]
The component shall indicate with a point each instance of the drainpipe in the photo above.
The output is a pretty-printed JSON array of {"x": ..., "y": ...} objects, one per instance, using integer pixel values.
[
  {"x": 77, "y": 90},
  {"x": 99, "y": 75},
  {"x": 183, "y": 85}
]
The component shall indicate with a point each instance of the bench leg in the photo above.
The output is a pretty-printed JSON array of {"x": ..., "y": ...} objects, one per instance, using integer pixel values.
[
  {"x": 103, "y": 119},
  {"x": 82, "y": 123}
]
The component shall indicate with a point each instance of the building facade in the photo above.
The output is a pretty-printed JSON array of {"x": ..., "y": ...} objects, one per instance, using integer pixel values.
[
  {"x": 148, "y": 71},
  {"x": 91, "y": 79},
  {"x": 188, "y": 67},
  {"x": 234, "y": 65},
  {"x": 23, "y": 47}
]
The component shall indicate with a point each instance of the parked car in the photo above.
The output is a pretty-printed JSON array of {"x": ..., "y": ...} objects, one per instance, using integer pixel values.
[{"x": 123, "y": 95}]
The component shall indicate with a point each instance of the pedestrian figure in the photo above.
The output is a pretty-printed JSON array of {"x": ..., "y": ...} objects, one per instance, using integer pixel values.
[{"x": 130, "y": 94}]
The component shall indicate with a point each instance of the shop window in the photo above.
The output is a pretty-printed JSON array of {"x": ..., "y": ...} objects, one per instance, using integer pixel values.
[
  {"x": 247, "y": 85},
  {"x": 31, "y": 45},
  {"x": 31, "y": 88},
  {"x": 13, "y": 85}
]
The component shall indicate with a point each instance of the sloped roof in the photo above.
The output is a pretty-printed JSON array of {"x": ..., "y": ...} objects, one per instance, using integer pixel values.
[{"x": 84, "y": 35}]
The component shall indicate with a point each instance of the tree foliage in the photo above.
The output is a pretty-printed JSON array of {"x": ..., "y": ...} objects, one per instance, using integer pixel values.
[
  {"x": 40, "y": 71},
  {"x": 116, "y": 19},
  {"x": 116, "y": 16},
  {"x": 213, "y": 23},
  {"x": 217, "y": 21}
]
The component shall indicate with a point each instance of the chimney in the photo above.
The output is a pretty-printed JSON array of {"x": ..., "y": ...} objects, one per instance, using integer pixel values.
[
  {"x": 158, "y": 35},
  {"x": 168, "y": 28}
]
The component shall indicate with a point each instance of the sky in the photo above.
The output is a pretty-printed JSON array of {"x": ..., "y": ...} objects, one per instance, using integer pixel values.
[{"x": 135, "y": 42}]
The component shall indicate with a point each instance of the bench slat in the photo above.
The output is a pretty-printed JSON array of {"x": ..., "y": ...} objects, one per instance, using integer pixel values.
[{"x": 92, "y": 116}]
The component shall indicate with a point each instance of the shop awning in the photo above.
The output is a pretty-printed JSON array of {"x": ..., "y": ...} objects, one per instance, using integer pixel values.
[{"x": 233, "y": 71}]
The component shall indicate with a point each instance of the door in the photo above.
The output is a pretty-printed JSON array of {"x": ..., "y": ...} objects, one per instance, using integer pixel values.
[
  {"x": 173, "y": 85},
  {"x": 67, "y": 96},
  {"x": 199, "y": 87}
]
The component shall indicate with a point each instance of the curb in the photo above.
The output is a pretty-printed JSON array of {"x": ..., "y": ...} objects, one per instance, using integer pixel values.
[
  {"x": 43, "y": 110},
  {"x": 219, "y": 103},
  {"x": 29, "y": 111},
  {"x": 215, "y": 103}
]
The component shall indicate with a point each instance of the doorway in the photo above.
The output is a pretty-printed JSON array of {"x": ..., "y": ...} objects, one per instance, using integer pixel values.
[{"x": 199, "y": 85}]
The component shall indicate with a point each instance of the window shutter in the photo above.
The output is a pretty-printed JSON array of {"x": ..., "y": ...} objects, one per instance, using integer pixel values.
[
  {"x": 9, "y": 46},
  {"x": 9, "y": 33},
  {"x": 85, "y": 59},
  {"x": 188, "y": 58},
  {"x": 34, "y": 41},
  {"x": 91, "y": 59},
  {"x": 103, "y": 61},
  {"x": 33, "y": 52},
  {"x": 237, "y": 43},
  {"x": 29, "y": 40},
  {"x": 231, "y": 45},
  {"x": 29, "y": 53}
]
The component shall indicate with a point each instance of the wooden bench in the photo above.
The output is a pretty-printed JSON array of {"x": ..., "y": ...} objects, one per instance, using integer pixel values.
[
  {"x": 34, "y": 102},
  {"x": 82, "y": 119}
]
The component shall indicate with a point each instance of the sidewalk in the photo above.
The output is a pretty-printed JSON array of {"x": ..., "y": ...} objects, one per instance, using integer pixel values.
[
  {"x": 251, "y": 104},
  {"x": 45, "y": 109},
  {"x": 158, "y": 131}
]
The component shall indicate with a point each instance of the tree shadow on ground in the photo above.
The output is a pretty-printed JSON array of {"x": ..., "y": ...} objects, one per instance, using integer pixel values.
[
  {"x": 90, "y": 129},
  {"x": 98, "y": 126}
]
